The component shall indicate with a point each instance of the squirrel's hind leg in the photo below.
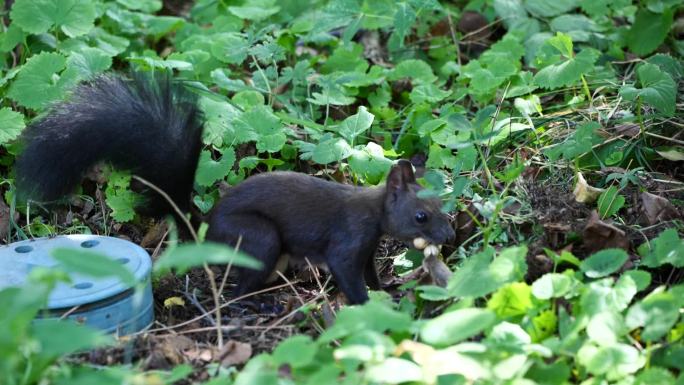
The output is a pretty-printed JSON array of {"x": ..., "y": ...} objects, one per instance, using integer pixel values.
[{"x": 260, "y": 239}]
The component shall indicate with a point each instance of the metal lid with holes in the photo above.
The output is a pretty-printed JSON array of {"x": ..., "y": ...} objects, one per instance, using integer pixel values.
[{"x": 17, "y": 260}]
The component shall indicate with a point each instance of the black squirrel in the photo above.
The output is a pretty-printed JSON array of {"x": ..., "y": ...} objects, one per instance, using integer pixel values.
[{"x": 152, "y": 126}]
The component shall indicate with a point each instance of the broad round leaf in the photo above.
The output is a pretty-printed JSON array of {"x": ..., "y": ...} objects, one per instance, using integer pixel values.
[
  {"x": 455, "y": 326},
  {"x": 603, "y": 263}
]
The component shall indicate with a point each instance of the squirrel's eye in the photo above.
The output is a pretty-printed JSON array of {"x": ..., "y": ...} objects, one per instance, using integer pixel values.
[{"x": 421, "y": 217}]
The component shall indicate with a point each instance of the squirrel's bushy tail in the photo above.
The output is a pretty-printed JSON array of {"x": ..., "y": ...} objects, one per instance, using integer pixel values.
[{"x": 147, "y": 124}]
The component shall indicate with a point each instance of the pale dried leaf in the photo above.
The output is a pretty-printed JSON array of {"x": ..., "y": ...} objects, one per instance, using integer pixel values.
[
  {"x": 235, "y": 353},
  {"x": 599, "y": 235},
  {"x": 657, "y": 209},
  {"x": 583, "y": 192}
]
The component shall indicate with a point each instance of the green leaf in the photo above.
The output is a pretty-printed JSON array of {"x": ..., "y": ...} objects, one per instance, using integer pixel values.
[
  {"x": 568, "y": 72},
  {"x": 655, "y": 376},
  {"x": 120, "y": 198},
  {"x": 93, "y": 264},
  {"x": 603, "y": 263},
  {"x": 11, "y": 124},
  {"x": 511, "y": 300},
  {"x": 374, "y": 315},
  {"x": 73, "y": 17},
  {"x": 610, "y": 202},
  {"x": 209, "y": 170},
  {"x": 261, "y": 125},
  {"x": 229, "y": 47},
  {"x": 656, "y": 313},
  {"x": 414, "y": 69},
  {"x": 370, "y": 163},
  {"x": 616, "y": 360},
  {"x": 89, "y": 62},
  {"x": 456, "y": 326},
  {"x": 147, "y": 6},
  {"x": 657, "y": 88},
  {"x": 394, "y": 371},
  {"x": 641, "y": 278},
  {"x": 602, "y": 296},
  {"x": 346, "y": 58},
  {"x": 552, "y": 285},
  {"x": 355, "y": 125},
  {"x": 183, "y": 257},
  {"x": 57, "y": 338},
  {"x": 297, "y": 351},
  {"x": 666, "y": 248},
  {"x": 480, "y": 275},
  {"x": 255, "y": 9},
  {"x": 546, "y": 8},
  {"x": 331, "y": 149},
  {"x": 429, "y": 93},
  {"x": 606, "y": 328},
  {"x": 649, "y": 31},
  {"x": 38, "y": 82}
]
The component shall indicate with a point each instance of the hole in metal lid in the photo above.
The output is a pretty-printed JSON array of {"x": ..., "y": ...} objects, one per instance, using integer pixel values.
[
  {"x": 23, "y": 249},
  {"x": 123, "y": 261},
  {"x": 83, "y": 285},
  {"x": 90, "y": 243}
]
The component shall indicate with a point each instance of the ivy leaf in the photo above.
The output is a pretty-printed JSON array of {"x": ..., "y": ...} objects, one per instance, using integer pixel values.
[
  {"x": 429, "y": 93},
  {"x": 610, "y": 202},
  {"x": 649, "y": 31},
  {"x": 89, "y": 62},
  {"x": 355, "y": 125},
  {"x": 346, "y": 58},
  {"x": 93, "y": 264},
  {"x": 370, "y": 163},
  {"x": 404, "y": 18},
  {"x": 666, "y": 248},
  {"x": 11, "y": 124},
  {"x": 38, "y": 83},
  {"x": 603, "y": 263},
  {"x": 512, "y": 300},
  {"x": 551, "y": 285},
  {"x": 119, "y": 196},
  {"x": 331, "y": 149},
  {"x": 657, "y": 88},
  {"x": 414, "y": 69},
  {"x": 209, "y": 170},
  {"x": 568, "y": 72},
  {"x": 74, "y": 17},
  {"x": 455, "y": 326},
  {"x": 546, "y": 8},
  {"x": 261, "y": 125},
  {"x": 579, "y": 143},
  {"x": 189, "y": 255},
  {"x": 229, "y": 47},
  {"x": 656, "y": 313},
  {"x": 255, "y": 9},
  {"x": 297, "y": 351}
]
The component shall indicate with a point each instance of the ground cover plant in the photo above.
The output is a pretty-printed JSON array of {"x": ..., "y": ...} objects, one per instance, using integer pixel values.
[{"x": 552, "y": 129}]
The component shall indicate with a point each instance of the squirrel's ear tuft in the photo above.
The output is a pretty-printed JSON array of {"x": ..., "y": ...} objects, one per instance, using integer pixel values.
[{"x": 400, "y": 175}]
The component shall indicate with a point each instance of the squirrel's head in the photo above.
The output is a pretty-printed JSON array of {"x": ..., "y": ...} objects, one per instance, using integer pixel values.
[{"x": 406, "y": 215}]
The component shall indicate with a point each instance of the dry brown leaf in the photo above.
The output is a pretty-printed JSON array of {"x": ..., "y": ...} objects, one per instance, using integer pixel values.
[
  {"x": 235, "y": 353},
  {"x": 5, "y": 223},
  {"x": 631, "y": 130},
  {"x": 173, "y": 347},
  {"x": 656, "y": 209},
  {"x": 583, "y": 192},
  {"x": 154, "y": 235},
  {"x": 200, "y": 354},
  {"x": 599, "y": 235}
]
